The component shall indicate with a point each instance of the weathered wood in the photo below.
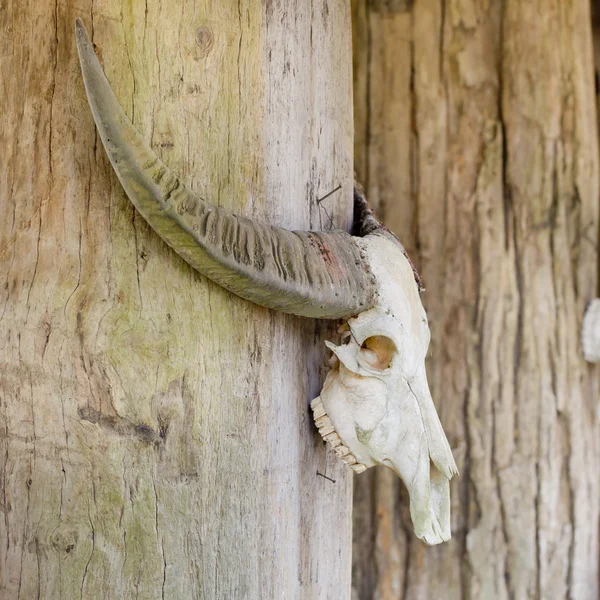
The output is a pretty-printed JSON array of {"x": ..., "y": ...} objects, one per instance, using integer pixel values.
[
  {"x": 156, "y": 438},
  {"x": 503, "y": 176}
]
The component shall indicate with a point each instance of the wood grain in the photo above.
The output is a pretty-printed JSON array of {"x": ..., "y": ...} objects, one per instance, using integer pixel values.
[
  {"x": 487, "y": 150},
  {"x": 156, "y": 439}
]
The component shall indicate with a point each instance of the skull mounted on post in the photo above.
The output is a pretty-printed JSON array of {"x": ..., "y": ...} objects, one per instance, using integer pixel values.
[{"x": 375, "y": 406}]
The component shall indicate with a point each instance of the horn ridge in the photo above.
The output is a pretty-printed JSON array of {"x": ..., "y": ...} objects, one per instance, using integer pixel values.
[{"x": 312, "y": 274}]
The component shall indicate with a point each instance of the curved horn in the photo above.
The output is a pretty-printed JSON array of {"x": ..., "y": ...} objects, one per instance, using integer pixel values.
[{"x": 309, "y": 274}]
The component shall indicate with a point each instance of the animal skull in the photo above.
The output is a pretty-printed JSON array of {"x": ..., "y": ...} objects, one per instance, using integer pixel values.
[{"x": 375, "y": 407}]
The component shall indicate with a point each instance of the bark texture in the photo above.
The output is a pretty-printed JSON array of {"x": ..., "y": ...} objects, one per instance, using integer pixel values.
[
  {"x": 477, "y": 137},
  {"x": 156, "y": 440}
]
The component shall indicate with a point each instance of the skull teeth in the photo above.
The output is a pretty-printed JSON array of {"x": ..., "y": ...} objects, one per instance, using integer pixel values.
[
  {"x": 333, "y": 439},
  {"x": 330, "y": 435}
]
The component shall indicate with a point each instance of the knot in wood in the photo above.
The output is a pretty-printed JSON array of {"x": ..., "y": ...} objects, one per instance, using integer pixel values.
[{"x": 204, "y": 41}]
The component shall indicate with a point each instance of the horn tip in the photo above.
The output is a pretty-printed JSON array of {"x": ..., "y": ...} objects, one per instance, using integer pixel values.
[
  {"x": 79, "y": 28},
  {"x": 81, "y": 38}
]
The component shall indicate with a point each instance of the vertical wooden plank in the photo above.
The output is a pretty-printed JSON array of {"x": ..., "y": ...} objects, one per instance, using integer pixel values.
[
  {"x": 156, "y": 438},
  {"x": 505, "y": 164}
]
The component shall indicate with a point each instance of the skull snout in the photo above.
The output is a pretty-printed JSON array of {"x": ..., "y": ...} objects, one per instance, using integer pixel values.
[
  {"x": 380, "y": 411},
  {"x": 429, "y": 492}
]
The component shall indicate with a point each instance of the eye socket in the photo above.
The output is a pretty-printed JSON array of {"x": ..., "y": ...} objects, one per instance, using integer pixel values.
[{"x": 377, "y": 351}]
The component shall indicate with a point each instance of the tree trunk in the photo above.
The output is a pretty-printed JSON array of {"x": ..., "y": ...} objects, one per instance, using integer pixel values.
[
  {"x": 156, "y": 438},
  {"x": 476, "y": 134}
]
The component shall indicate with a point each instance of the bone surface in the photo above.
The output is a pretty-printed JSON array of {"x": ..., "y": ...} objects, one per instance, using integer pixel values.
[
  {"x": 376, "y": 399},
  {"x": 590, "y": 333},
  {"x": 375, "y": 406}
]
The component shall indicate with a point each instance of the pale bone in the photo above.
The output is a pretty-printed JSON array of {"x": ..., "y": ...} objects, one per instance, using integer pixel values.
[
  {"x": 590, "y": 332},
  {"x": 376, "y": 396},
  {"x": 369, "y": 411}
]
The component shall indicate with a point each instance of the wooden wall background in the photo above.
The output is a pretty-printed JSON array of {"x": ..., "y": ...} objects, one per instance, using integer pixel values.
[{"x": 476, "y": 139}]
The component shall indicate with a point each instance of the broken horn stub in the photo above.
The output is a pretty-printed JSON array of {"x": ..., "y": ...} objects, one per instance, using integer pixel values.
[
  {"x": 590, "y": 332},
  {"x": 310, "y": 274},
  {"x": 331, "y": 436}
]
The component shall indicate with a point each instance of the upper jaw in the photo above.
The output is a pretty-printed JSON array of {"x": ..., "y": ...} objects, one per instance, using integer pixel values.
[
  {"x": 428, "y": 487},
  {"x": 430, "y": 506},
  {"x": 331, "y": 436}
]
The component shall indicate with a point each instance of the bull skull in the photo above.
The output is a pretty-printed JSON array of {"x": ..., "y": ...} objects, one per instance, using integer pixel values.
[{"x": 375, "y": 407}]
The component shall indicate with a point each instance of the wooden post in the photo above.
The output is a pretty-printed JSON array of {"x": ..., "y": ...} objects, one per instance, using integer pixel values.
[
  {"x": 478, "y": 129},
  {"x": 156, "y": 440}
]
